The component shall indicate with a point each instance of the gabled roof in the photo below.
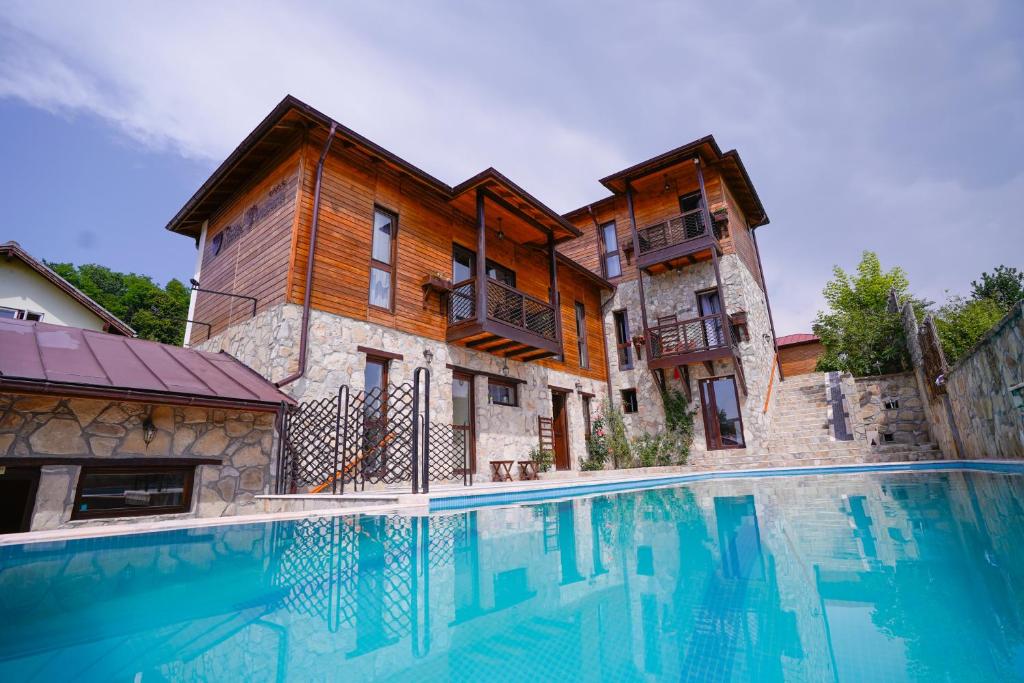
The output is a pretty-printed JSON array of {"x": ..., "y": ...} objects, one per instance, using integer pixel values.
[
  {"x": 707, "y": 149},
  {"x": 69, "y": 361},
  {"x": 796, "y": 339},
  {"x": 12, "y": 249}
]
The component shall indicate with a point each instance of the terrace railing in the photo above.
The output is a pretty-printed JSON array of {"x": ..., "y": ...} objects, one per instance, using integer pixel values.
[
  {"x": 462, "y": 301},
  {"x": 675, "y": 230},
  {"x": 695, "y": 335},
  {"x": 519, "y": 309}
]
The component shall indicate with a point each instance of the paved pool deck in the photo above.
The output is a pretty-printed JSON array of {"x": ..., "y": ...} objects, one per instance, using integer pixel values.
[{"x": 452, "y": 497}]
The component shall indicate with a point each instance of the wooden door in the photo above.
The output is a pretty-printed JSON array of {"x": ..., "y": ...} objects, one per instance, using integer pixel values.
[
  {"x": 720, "y": 405},
  {"x": 464, "y": 413},
  {"x": 560, "y": 430}
]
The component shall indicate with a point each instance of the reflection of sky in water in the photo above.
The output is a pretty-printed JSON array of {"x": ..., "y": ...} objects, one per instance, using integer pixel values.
[{"x": 837, "y": 577}]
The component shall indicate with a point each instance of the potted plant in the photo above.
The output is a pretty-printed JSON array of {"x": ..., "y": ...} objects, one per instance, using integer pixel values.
[{"x": 720, "y": 215}]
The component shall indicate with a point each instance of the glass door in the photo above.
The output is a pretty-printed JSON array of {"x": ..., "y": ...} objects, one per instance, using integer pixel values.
[
  {"x": 710, "y": 303},
  {"x": 462, "y": 416},
  {"x": 720, "y": 404}
]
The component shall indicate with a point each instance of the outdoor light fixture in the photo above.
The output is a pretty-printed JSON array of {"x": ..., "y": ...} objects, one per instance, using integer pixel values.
[
  {"x": 667, "y": 185},
  {"x": 501, "y": 233},
  {"x": 428, "y": 356},
  {"x": 148, "y": 430},
  {"x": 579, "y": 387},
  {"x": 504, "y": 368}
]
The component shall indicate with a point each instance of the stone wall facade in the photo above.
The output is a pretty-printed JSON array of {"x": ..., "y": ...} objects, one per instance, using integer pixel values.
[
  {"x": 674, "y": 292},
  {"x": 269, "y": 344},
  {"x": 889, "y": 405},
  {"x": 51, "y": 429},
  {"x": 986, "y": 395}
]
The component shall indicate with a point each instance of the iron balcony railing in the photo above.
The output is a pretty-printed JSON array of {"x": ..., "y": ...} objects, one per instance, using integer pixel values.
[
  {"x": 695, "y": 335},
  {"x": 503, "y": 304},
  {"x": 675, "y": 230}
]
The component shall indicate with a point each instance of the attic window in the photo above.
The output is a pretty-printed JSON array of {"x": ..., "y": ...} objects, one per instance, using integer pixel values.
[{"x": 891, "y": 404}]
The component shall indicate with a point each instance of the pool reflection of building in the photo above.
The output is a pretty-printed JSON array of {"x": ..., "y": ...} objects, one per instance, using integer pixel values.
[{"x": 827, "y": 578}]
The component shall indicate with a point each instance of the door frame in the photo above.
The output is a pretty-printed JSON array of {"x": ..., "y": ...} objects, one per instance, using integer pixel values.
[
  {"x": 471, "y": 378},
  {"x": 711, "y": 427},
  {"x": 30, "y": 474},
  {"x": 563, "y": 419}
]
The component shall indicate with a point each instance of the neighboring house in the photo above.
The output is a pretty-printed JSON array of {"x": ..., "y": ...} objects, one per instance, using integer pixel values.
[
  {"x": 98, "y": 426},
  {"x": 523, "y": 315},
  {"x": 29, "y": 290},
  {"x": 799, "y": 353}
]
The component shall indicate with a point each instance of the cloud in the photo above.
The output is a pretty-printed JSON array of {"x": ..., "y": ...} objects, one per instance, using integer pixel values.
[{"x": 890, "y": 128}]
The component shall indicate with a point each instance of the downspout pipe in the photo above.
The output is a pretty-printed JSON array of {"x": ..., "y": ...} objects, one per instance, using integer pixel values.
[
  {"x": 304, "y": 330},
  {"x": 768, "y": 302}
]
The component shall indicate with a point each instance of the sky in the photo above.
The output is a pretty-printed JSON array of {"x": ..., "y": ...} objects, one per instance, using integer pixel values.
[{"x": 892, "y": 127}]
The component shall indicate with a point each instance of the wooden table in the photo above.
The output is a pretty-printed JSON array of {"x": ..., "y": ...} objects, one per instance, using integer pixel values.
[
  {"x": 527, "y": 470},
  {"x": 501, "y": 470}
]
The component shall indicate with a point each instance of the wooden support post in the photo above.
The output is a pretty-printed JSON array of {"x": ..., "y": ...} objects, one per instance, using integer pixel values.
[
  {"x": 640, "y": 272},
  {"x": 481, "y": 258},
  {"x": 553, "y": 282}
]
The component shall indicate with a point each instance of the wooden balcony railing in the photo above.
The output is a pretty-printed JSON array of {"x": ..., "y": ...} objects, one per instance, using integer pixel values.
[
  {"x": 676, "y": 230},
  {"x": 504, "y": 304},
  {"x": 696, "y": 335}
]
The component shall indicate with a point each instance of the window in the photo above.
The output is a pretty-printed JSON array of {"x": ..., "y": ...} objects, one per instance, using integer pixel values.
[
  {"x": 502, "y": 393},
  {"x": 464, "y": 267},
  {"x": 382, "y": 259},
  {"x": 375, "y": 376},
  {"x": 612, "y": 260},
  {"x": 122, "y": 491},
  {"x": 629, "y": 404},
  {"x": 588, "y": 428},
  {"x": 502, "y": 274},
  {"x": 581, "y": 335},
  {"x": 19, "y": 314},
  {"x": 622, "y": 341},
  {"x": 892, "y": 404}
]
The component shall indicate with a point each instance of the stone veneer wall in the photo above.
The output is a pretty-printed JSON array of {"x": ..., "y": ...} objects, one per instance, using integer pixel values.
[
  {"x": 908, "y": 423},
  {"x": 674, "y": 293},
  {"x": 269, "y": 344},
  {"x": 53, "y": 427},
  {"x": 979, "y": 384}
]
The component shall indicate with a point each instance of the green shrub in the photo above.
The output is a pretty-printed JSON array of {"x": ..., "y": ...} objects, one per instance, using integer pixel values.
[
  {"x": 544, "y": 458},
  {"x": 597, "y": 447}
]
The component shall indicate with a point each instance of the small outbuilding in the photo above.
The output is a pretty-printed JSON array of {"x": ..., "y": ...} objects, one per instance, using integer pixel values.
[{"x": 799, "y": 353}]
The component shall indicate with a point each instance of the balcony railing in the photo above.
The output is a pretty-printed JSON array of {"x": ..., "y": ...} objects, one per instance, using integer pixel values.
[
  {"x": 676, "y": 230},
  {"x": 503, "y": 304},
  {"x": 695, "y": 335}
]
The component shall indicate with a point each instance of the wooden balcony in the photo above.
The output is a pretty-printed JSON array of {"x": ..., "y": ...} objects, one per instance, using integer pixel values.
[
  {"x": 696, "y": 340},
  {"x": 675, "y": 242},
  {"x": 515, "y": 324}
]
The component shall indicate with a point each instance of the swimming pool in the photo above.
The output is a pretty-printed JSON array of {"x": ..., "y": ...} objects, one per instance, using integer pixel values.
[{"x": 879, "y": 575}]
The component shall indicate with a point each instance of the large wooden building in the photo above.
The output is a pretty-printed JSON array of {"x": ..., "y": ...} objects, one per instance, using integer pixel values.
[{"x": 350, "y": 266}]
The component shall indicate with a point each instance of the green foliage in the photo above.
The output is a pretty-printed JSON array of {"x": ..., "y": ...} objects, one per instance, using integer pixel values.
[
  {"x": 670, "y": 447},
  {"x": 1005, "y": 287},
  {"x": 544, "y": 458},
  {"x": 618, "y": 442},
  {"x": 678, "y": 416},
  {"x": 858, "y": 332},
  {"x": 155, "y": 313},
  {"x": 597, "y": 447},
  {"x": 962, "y": 322}
]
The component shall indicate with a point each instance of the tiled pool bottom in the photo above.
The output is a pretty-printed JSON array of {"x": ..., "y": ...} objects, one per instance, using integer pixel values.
[{"x": 851, "y": 577}]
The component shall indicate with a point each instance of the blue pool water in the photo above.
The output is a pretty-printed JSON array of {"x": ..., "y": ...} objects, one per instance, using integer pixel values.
[{"x": 885, "y": 576}]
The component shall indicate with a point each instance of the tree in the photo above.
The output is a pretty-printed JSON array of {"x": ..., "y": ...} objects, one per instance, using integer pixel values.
[
  {"x": 962, "y": 322},
  {"x": 1005, "y": 286},
  {"x": 155, "y": 312},
  {"x": 859, "y": 333}
]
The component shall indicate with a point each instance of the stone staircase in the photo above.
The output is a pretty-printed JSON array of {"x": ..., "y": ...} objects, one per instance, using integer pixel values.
[{"x": 801, "y": 434}]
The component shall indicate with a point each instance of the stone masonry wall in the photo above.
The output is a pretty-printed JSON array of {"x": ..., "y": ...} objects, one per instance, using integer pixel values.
[
  {"x": 674, "y": 293},
  {"x": 980, "y": 386},
  {"x": 54, "y": 427},
  {"x": 269, "y": 344},
  {"x": 907, "y": 423}
]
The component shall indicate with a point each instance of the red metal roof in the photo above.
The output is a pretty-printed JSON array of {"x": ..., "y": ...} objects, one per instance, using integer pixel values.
[
  {"x": 799, "y": 338},
  {"x": 54, "y": 359}
]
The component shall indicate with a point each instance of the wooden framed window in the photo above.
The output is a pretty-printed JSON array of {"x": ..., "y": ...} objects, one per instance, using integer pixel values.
[
  {"x": 612, "y": 263},
  {"x": 464, "y": 267},
  {"x": 581, "y": 335},
  {"x": 502, "y": 393},
  {"x": 622, "y": 341},
  {"x": 132, "y": 491},
  {"x": 588, "y": 428},
  {"x": 629, "y": 403},
  {"x": 382, "y": 259}
]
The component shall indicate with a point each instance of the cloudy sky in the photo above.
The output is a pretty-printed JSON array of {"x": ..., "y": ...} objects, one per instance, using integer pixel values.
[{"x": 897, "y": 127}]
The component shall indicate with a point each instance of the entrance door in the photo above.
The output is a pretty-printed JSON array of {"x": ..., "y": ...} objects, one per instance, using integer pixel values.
[
  {"x": 463, "y": 414},
  {"x": 17, "y": 498},
  {"x": 723, "y": 424},
  {"x": 560, "y": 430},
  {"x": 709, "y": 303}
]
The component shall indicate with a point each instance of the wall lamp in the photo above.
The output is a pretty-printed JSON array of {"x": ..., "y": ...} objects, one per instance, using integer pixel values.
[{"x": 197, "y": 288}]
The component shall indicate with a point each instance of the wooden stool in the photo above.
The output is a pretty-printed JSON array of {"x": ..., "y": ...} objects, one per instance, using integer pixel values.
[
  {"x": 501, "y": 470},
  {"x": 527, "y": 470}
]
